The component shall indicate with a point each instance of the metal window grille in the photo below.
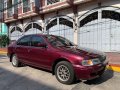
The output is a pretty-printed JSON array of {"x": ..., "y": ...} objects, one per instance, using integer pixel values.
[{"x": 52, "y": 1}]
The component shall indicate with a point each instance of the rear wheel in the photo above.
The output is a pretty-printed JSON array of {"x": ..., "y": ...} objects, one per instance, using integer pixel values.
[
  {"x": 15, "y": 61},
  {"x": 64, "y": 72}
]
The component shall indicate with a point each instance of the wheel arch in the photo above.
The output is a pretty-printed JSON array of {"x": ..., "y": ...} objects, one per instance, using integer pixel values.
[{"x": 56, "y": 62}]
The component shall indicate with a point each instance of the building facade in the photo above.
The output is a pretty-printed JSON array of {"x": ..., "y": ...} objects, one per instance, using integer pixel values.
[{"x": 88, "y": 23}]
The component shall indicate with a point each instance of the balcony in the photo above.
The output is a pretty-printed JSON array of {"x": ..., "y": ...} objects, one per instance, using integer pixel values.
[
  {"x": 31, "y": 8},
  {"x": 53, "y": 5}
]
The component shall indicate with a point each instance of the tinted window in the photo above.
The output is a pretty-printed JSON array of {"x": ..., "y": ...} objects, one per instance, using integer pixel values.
[
  {"x": 36, "y": 40},
  {"x": 58, "y": 41},
  {"x": 25, "y": 41}
]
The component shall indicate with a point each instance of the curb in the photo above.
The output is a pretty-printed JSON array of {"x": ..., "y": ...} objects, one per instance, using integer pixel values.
[
  {"x": 114, "y": 67},
  {"x": 3, "y": 53}
]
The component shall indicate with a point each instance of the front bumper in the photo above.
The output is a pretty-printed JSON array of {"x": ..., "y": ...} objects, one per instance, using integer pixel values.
[{"x": 90, "y": 72}]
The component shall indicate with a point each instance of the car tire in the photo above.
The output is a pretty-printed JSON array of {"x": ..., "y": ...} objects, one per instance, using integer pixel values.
[
  {"x": 15, "y": 61},
  {"x": 64, "y": 72}
]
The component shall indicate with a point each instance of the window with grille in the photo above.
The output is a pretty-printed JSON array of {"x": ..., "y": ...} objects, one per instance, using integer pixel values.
[
  {"x": 89, "y": 18},
  {"x": 15, "y": 6},
  {"x": 26, "y": 6},
  {"x": 52, "y": 1},
  {"x": 53, "y": 23},
  {"x": 28, "y": 27},
  {"x": 9, "y": 6},
  {"x": 111, "y": 15},
  {"x": 35, "y": 25}
]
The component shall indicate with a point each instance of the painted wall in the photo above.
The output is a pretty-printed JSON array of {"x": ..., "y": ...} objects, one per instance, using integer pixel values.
[{"x": 3, "y": 29}]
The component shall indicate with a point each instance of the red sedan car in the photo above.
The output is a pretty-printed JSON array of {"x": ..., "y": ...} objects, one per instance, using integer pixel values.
[{"x": 67, "y": 61}]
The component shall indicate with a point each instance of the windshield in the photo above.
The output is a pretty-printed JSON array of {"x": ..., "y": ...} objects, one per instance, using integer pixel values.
[{"x": 58, "y": 41}]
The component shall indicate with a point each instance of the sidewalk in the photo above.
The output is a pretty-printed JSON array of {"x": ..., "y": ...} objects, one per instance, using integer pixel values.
[
  {"x": 113, "y": 58},
  {"x": 114, "y": 61},
  {"x": 3, "y": 51}
]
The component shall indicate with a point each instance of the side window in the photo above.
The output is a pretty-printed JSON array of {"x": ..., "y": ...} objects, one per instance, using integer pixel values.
[
  {"x": 25, "y": 41},
  {"x": 36, "y": 40}
]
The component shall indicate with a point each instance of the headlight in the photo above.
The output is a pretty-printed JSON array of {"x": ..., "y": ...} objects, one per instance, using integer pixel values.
[{"x": 91, "y": 62}]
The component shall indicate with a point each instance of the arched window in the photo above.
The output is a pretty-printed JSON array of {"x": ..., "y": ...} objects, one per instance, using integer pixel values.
[
  {"x": 89, "y": 18},
  {"x": 35, "y": 25},
  {"x": 28, "y": 27},
  {"x": 12, "y": 30},
  {"x": 15, "y": 33},
  {"x": 66, "y": 22},
  {"x": 111, "y": 15},
  {"x": 51, "y": 24},
  {"x": 61, "y": 26},
  {"x": 18, "y": 29},
  {"x": 33, "y": 28}
]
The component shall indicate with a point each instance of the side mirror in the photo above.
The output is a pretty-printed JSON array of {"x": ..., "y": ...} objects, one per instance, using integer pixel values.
[{"x": 41, "y": 45}]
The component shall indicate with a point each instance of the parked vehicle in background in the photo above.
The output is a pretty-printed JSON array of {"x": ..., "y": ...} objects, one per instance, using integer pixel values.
[{"x": 67, "y": 61}]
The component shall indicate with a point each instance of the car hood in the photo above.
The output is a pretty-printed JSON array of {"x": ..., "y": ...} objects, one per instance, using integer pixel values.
[{"x": 85, "y": 53}]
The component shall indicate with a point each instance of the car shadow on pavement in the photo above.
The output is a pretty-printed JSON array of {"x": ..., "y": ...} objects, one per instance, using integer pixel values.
[
  {"x": 13, "y": 81},
  {"x": 108, "y": 74}
]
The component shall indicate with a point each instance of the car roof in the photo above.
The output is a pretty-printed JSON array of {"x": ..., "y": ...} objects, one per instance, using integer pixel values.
[{"x": 40, "y": 35}]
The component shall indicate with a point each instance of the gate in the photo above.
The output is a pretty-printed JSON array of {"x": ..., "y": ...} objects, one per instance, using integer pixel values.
[
  {"x": 61, "y": 26},
  {"x": 100, "y": 29},
  {"x": 33, "y": 28},
  {"x": 15, "y": 33}
]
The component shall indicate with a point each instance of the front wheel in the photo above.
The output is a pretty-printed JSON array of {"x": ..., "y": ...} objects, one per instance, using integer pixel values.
[
  {"x": 15, "y": 61},
  {"x": 64, "y": 72}
]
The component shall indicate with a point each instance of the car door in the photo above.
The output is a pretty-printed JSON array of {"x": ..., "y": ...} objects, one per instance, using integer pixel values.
[
  {"x": 38, "y": 55},
  {"x": 22, "y": 48}
]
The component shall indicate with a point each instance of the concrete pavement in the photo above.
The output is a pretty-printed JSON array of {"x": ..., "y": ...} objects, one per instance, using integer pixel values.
[{"x": 27, "y": 78}]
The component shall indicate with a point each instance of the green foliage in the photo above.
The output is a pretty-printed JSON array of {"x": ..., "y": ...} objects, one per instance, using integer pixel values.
[{"x": 4, "y": 40}]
